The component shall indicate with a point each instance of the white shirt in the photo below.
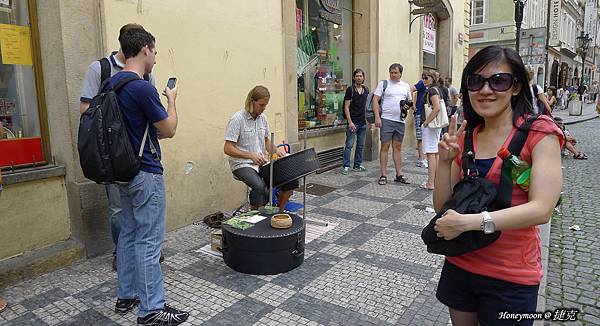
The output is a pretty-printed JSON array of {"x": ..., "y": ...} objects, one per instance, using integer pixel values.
[{"x": 394, "y": 93}]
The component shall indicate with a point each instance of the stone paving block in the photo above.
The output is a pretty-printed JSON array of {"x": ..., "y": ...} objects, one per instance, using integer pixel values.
[
  {"x": 325, "y": 313},
  {"x": 366, "y": 289},
  {"x": 415, "y": 216},
  {"x": 28, "y": 319},
  {"x": 272, "y": 294},
  {"x": 331, "y": 179},
  {"x": 411, "y": 228},
  {"x": 372, "y": 198},
  {"x": 359, "y": 235},
  {"x": 90, "y": 317},
  {"x": 246, "y": 311},
  {"x": 402, "y": 245},
  {"x": 393, "y": 264},
  {"x": 379, "y": 222},
  {"x": 343, "y": 226},
  {"x": 357, "y": 206},
  {"x": 393, "y": 212},
  {"x": 181, "y": 260},
  {"x": 338, "y": 251},
  {"x": 391, "y": 190},
  {"x": 220, "y": 273},
  {"x": 356, "y": 184},
  {"x": 60, "y": 311},
  {"x": 281, "y": 317},
  {"x": 304, "y": 274}
]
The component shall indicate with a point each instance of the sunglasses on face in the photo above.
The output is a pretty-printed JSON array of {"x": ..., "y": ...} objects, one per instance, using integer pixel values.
[
  {"x": 498, "y": 82},
  {"x": 424, "y": 77}
]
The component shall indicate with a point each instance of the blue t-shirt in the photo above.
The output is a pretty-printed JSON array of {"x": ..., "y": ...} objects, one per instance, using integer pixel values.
[
  {"x": 420, "y": 104},
  {"x": 140, "y": 104}
]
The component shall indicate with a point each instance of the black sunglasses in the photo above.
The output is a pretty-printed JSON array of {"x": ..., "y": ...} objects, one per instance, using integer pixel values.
[
  {"x": 424, "y": 77},
  {"x": 499, "y": 82}
]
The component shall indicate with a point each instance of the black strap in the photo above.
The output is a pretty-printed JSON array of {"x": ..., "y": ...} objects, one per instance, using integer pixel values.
[
  {"x": 124, "y": 81},
  {"x": 104, "y": 69},
  {"x": 504, "y": 196},
  {"x": 468, "y": 158}
]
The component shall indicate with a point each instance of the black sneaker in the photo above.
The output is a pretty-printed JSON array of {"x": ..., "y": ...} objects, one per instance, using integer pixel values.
[
  {"x": 124, "y": 306},
  {"x": 167, "y": 317}
]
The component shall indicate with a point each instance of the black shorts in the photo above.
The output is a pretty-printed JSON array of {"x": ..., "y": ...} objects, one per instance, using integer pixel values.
[{"x": 469, "y": 292}]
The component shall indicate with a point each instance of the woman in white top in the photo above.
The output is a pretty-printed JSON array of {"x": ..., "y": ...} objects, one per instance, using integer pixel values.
[{"x": 431, "y": 136}]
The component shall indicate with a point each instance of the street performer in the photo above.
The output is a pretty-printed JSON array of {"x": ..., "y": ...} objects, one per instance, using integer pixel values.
[{"x": 246, "y": 143}]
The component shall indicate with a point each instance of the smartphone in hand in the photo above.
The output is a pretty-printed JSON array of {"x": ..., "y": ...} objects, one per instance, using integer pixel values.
[{"x": 171, "y": 83}]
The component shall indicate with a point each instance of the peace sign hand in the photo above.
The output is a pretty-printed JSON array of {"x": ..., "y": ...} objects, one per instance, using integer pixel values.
[{"x": 448, "y": 147}]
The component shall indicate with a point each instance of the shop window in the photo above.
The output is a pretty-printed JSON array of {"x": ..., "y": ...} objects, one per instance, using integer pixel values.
[
  {"x": 324, "y": 61},
  {"x": 20, "y": 131}
]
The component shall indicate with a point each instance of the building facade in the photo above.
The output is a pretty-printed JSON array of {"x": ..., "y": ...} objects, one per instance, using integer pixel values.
[{"x": 304, "y": 51}]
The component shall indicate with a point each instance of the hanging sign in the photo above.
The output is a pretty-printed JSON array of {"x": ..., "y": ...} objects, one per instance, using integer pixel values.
[
  {"x": 554, "y": 37},
  {"x": 429, "y": 34}
]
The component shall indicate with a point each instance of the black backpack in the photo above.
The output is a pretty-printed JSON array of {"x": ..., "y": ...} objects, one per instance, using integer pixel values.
[
  {"x": 474, "y": 194},
  {"x": 105, "y": 152}
]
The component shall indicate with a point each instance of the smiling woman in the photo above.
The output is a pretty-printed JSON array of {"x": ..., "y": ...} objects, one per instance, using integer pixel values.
[{"x": 497, "y": 100}]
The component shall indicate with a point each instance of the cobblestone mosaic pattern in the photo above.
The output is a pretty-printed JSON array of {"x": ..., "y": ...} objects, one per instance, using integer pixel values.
[
  {"x": 371, "y": 269},
  {"x": 574, "y": 259}
]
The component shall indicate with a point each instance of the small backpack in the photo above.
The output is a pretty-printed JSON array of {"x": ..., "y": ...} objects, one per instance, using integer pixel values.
[
  {"x": 105, "y": 152},
  {"x": 369, "y": 114}
]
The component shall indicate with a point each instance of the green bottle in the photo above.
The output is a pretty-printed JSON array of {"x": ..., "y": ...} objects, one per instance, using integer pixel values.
[{"x": 520, "y": 171}]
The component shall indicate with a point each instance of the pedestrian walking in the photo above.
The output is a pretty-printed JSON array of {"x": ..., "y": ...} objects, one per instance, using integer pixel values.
[
  {"x": 143, "y": 199},
  {"x": 390, "y": 117},
  {"x": 354, "y": 110},
  {"x": 505, "y": 275},
  {"x": 418, "y": 93},
  {"x": 431, "y": 135},
  {"x": 552, "y": 98},
  {"x": 96, "y": 73}
]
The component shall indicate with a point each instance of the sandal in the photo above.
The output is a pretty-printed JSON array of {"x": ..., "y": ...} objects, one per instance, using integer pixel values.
[
  {"x": 424, "y": 186},
  {"x": 401, "y": 179},
  {"x": 382, "y": 180},
  {"x": 580, "y": 156}
]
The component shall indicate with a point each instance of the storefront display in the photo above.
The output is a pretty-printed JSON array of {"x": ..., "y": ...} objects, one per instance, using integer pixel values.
[
  {"x": 324, "y": 61},
  {"x": 20, "y": 140}
]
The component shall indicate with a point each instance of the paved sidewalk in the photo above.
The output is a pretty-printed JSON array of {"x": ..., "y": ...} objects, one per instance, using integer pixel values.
[
  {"x": 588, "y": 112},
  {"x": 372, "y": 269}
]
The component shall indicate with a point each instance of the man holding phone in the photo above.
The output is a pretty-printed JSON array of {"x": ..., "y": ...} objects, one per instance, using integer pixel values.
[
  {"x": 91, "y": 85},
  {"x": 143, "y": 199}
]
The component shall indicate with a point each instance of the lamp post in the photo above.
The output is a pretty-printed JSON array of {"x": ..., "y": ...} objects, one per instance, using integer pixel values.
[
  {"x": 519, "y": 5},
  {"x": 583, "y": 44}
]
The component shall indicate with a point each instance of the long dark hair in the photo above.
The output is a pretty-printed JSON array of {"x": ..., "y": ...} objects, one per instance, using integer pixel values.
[{"x": 521, "y": 103}]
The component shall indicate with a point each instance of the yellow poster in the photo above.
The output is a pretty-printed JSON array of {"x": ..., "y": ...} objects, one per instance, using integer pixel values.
[{"x": 15, "y": 44}]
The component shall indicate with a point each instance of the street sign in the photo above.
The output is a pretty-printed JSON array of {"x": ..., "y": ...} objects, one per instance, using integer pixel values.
[{"x": 532, "y": 47}]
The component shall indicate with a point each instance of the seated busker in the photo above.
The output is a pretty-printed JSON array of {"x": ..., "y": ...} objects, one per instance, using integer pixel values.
[{"x": 246, "y": 143}]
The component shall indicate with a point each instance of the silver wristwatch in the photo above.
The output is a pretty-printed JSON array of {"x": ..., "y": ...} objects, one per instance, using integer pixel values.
[{"x": 487, "y": 224}]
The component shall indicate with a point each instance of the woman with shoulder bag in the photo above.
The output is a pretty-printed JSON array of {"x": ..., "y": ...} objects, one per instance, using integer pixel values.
[
  {"x": 505, "y": 275},
  {"x": 431, "y": 128}
]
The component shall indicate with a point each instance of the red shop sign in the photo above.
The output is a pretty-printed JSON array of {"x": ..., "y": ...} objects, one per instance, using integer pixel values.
[{"x": 21, "y": 151}]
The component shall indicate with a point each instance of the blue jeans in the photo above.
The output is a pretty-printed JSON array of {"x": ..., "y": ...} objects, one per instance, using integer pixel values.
[
  {"x": 360, "y": 141},
  {"x": 142, "y": 233},
  {"x": 114, "y": 212}
]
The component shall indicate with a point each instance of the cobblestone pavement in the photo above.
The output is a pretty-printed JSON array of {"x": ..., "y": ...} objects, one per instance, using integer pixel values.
[
  {"x": 371, "y": 269},
  {"x": 574, "y": 259}
]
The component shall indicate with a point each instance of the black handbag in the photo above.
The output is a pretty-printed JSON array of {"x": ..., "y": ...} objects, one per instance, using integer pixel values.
[{"x": 474, "y": 194}]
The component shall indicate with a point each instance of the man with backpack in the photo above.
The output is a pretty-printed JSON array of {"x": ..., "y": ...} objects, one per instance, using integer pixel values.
[
  {"x": 354, "y": 109},
  {"x": 390, "y": 116},
  {"x": 97, "y": 72},
  {"x": 540, "y": 102},
  {"x": 143, "y": 198}
]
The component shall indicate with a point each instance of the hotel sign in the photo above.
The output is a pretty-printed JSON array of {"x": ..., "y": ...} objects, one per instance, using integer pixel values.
[{"x": 554, "y": 37}]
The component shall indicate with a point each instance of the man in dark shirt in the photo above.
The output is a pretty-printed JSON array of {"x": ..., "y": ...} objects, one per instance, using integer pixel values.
[
  {"x": 354, "y": 110},
  {"x": 143, "y": 199}
]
